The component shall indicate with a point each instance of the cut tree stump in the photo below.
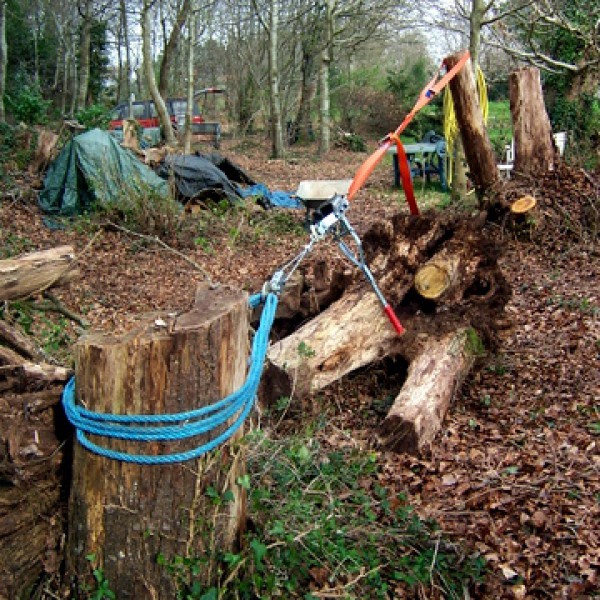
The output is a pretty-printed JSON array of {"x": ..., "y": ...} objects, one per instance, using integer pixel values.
[
  {"x": 477, "y": 146},
  {"x": 35, "y": 272},
  {"x": 421, "y": 406},
  {"x": 534, "y": 149},
  {"x": 125, "y": 514}
]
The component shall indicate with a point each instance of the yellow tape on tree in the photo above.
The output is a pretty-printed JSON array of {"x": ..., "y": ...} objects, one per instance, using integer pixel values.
[{"x": 451, "y": 125}]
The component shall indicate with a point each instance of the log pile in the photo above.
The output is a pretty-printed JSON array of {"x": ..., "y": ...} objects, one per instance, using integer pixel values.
[
  {"x": 33, "y": 433},
  {"x": 453, "y": 263}
]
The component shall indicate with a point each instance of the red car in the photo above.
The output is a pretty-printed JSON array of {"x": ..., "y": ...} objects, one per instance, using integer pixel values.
[{"x": 145, "y": 114}]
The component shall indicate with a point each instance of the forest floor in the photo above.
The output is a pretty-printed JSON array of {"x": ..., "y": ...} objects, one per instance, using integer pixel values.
[{"x": 515, "y": 474}]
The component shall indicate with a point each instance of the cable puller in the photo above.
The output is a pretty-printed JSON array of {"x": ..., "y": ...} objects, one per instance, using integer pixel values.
[{"x": 326, "y": 204}]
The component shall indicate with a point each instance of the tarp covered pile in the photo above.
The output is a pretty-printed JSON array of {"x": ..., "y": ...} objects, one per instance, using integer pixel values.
[{"x": 93, "y": 168}]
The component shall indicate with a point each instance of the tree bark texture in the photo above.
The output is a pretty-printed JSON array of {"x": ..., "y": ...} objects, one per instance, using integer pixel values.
[
  {"x": 3, "y": 57},
  {"x": 148, "y": 65},
  {"x": 433, "y": 378},
  {"x": 85, "y": 42},
  {"x": 171, "y": 48},
  {"x": 35, "y": 272},
  {"x": 127, "y": 514},
  {"x": 33, "y": 435},
  {"x": 275, "y": 98},
  {"x": 478, "y": 148},
  {"x": 534, "y": 150}
]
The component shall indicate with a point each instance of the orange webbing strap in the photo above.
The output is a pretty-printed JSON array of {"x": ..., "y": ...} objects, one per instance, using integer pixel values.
[
  {"x": 405, "y": 175},
  {"x": 433, "y": 88}
]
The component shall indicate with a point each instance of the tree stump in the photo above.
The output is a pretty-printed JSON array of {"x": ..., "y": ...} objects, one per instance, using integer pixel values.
[
  {"x": 127, "y": 515},
  {"x": 534, "y": 150}
]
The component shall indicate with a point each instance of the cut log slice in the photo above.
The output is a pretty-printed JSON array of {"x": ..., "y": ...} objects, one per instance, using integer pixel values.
[
  {"x": 523, "y": 205},
  {"x": 437, "y": 276}
]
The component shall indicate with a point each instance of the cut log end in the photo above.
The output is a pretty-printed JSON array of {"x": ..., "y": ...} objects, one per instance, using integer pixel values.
[
  {"x": 523, "y": 205},
  {"x": 432, "y": 281}
]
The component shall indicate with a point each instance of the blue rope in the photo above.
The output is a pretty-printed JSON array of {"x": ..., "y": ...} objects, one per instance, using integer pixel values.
[{"x": 176, "y": 426}]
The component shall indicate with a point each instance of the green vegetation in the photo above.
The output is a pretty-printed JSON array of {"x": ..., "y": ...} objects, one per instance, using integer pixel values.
[
  {"x": 323, "y": 521},
  {"x": 101, "y": 590}
]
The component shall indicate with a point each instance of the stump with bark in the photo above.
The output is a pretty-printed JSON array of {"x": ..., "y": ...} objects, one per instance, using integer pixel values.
[
  {"x": 534, "y": 149},
  {"x": 127, "y": 515}
]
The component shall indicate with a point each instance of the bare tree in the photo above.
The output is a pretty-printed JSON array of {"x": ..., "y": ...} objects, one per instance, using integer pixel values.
[
  {"x": 148, "y": 66},
  {"x": 172, "y": 45},
  {"x": 3, "y": 57}
]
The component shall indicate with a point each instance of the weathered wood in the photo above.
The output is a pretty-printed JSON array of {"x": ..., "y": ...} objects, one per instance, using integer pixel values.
[
  {"x": 437, "y": 276},
  {"x": 477, "y": 146},
  {"x": 35, "y": 272},
  {"x": 44, "y": 151},
  {"x": 32, "y": 442},
  {"x": 534, "y": 150},
  {"x": 351, "y": 333},
  {"x": 21, "y": 343},
  {"x": 433, "y": 379},
  {"x": 127, "y": 514}
]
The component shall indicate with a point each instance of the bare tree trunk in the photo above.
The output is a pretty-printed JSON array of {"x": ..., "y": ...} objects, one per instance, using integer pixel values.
[
  {"x": 275, "y": 99},
  {"x": 534, "y": 151},
  {"x": 74, "y": 79},
  {"x": 171, "y": 47},
  {"x": 325, "y": 132},
  {"x": 159, "y": 102},
  {"x": 85, "y": 43},
  {"x": 189, "y": 112},
  {"x": 302, "y": 124},
  {"x": 3, "y": 58}
]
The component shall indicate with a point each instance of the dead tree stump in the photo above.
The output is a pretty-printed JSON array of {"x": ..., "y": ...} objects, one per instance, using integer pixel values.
[
  {"x": 478, "y": 148},
  {"x": 534, "y": 150},
  {"x": 127, "y": 515}
]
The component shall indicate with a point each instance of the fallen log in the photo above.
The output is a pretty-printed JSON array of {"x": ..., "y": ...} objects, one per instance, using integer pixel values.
[
  {"x": 433, "y": 378},
  {"x": 35, "y": 272},
  {"x": 10, "y": 336},
  {"x": 353, "y": 332}
]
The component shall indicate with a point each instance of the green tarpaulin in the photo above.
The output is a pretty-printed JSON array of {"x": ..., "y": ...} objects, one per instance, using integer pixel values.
[{"x": 93, "y": 168}]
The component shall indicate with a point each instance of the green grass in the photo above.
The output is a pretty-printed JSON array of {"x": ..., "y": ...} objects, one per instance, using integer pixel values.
[
  {"x": 322, "y": 520},
  {"x": 499, "y": 125}
]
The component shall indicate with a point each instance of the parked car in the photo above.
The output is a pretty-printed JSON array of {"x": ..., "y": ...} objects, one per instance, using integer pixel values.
[{"x": 144, "y": 112}]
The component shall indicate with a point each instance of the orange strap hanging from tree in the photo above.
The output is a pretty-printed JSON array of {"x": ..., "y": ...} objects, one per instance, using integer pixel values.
[{"x": 433, "y": 88}]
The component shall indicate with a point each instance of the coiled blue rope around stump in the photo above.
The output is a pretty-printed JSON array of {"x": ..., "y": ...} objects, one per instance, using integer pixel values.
[{"x": 176, "y": 426}]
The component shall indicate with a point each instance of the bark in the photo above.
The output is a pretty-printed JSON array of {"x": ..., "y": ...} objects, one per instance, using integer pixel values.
[
  {"x": 190, "y": 85},
  {"x": 12, "y": 337},
  {"x": 159, "y": 103},
  {"x": 351, "y": 333},
  {"x": 3, "y": 58},
  {"x": 171, "y": 48},
  {"x": 275, "y": 99},
  {"x": 85, "y": 43},
  {"x": 433, "y": 379},
  {"x": 124, "y": 20},
  {"x": 35, "y": 272},
  {"x": 127, "y": 514},
  {"x": 478, "y": 148},
  {"x": 534, "y": 150},
  {"x": 32, "y": 442}
]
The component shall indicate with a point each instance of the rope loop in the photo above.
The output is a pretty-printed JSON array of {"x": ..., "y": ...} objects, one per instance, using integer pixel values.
[{"x": 177, "y": 426}]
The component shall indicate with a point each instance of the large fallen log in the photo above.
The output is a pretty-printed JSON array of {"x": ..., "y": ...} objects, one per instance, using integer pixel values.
[
  {"x": 433, "y": 378},
  {"x": 353, "y": 332},
  {"x": 35, "y": 272}
]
